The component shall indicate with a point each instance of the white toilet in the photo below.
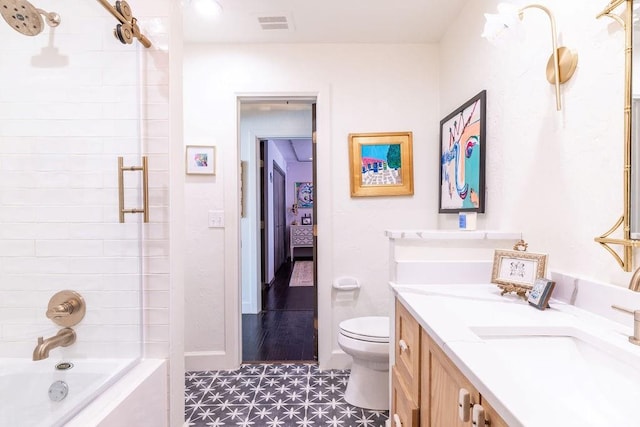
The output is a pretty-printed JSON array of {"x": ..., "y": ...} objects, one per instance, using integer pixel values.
[{"x": 366, "y": 339}]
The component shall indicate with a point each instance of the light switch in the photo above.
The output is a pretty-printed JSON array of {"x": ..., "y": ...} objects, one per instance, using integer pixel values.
[{"x": 216, "y": 219}]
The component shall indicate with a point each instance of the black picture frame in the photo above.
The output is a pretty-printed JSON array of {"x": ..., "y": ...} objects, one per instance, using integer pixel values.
[
  {"x": 463, "y": 133},
  {"x": 306, "y": 220}
]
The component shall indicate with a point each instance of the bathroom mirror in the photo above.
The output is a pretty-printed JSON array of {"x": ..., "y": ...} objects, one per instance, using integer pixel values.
[
  {"x": 622, "y": 11},
  {"x": 635, "y": 123}
]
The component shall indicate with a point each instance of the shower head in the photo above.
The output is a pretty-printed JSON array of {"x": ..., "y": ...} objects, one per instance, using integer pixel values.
[{"x": 25, "y": 18}]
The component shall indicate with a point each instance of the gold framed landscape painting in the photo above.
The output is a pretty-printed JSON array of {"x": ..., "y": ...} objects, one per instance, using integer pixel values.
[{"x": 381, "y": 164}]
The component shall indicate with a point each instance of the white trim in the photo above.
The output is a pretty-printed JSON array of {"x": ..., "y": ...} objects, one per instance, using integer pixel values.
[
  {"x": 233, "y": 317},
  {"x": 204, "y": 360}
]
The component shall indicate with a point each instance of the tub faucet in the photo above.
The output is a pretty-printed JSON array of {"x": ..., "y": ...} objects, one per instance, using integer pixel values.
[{"x": 64, "y": 338}]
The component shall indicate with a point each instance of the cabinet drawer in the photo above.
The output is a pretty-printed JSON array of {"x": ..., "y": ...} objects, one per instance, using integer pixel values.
[
  {"x": 404, "y": 412},
  {"x": 302, "y": 240},
  {"x": 407, "y": 351}
]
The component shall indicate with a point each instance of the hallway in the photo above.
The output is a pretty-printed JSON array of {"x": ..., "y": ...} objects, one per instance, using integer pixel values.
[{"x": 284, "y": 330}]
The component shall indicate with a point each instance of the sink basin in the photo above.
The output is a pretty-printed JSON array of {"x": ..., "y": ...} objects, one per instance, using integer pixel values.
[{"x": 599, "y": 379}]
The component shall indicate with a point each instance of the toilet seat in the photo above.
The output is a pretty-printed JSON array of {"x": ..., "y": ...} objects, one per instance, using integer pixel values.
[{"x": 369, "y": 329}]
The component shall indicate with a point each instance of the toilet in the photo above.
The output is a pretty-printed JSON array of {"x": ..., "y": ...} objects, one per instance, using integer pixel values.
[{"x": 366, "y": 340}]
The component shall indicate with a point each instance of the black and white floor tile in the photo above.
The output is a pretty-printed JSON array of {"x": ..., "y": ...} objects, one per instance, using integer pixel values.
[{"x": 274, "y": 395}]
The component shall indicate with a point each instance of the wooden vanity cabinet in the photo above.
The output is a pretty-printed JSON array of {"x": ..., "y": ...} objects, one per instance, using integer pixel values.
[
  {"x": 426, "y": 384},
  {"x": 443, "y": 381},
  {"x": 405, "y": 384}
]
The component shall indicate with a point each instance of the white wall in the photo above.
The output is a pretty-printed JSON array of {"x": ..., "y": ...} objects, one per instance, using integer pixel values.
[
  {"x": 360, "y": 88},
  {"x": 557, "y": 176}
]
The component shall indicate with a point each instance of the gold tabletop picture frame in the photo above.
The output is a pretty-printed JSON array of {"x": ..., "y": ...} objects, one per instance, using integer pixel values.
[{"x": 517, "y": 271}]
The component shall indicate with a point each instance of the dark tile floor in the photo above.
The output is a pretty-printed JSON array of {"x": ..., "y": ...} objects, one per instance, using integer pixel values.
[{"x": 274, "y": 395}]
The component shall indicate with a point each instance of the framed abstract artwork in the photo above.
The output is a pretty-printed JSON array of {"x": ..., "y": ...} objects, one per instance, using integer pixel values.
[
  {"x": 381, "y": 164},
  {"x": 462, "y": 157},
  {"x": 304, "y": 195},
  {"x": 200, "y": 160}
]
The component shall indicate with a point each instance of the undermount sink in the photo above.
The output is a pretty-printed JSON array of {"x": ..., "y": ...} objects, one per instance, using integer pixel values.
[{"x": 576, "y": 365}]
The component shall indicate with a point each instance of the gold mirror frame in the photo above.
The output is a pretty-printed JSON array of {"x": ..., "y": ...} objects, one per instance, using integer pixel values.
[{"x": 626, "y": 260}]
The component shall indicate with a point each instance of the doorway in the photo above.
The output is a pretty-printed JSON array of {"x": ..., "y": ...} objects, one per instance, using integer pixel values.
[{"x": 281, "y": 325}]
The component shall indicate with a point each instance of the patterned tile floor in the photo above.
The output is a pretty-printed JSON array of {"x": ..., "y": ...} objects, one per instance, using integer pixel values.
[{"x": 274, "y": 395}]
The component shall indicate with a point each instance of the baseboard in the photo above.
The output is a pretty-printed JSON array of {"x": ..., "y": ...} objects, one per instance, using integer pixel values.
[
  {"x": 338, "y": 360},
  {"x": 207, "y": 361}
]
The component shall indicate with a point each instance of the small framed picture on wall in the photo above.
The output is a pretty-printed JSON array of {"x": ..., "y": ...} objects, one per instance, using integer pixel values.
[
  {"x": 306, "y": 220},
  {"x": 200, "y": 160}
]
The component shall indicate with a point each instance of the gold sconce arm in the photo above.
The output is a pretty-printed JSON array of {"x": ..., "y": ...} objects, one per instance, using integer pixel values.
[
  {"x": 563, "y": 61},
  {"x": 554, "y": 43}
]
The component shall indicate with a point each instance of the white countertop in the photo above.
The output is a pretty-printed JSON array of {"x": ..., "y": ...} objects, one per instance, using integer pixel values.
[{"x": 462, "y": 320}]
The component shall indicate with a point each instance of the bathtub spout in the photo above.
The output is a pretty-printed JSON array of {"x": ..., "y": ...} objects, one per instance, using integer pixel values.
[{"x": 64, "y": 338}]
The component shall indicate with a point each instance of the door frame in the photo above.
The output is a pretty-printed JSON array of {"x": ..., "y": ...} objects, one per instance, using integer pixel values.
[{"x": 329, "y": 355}]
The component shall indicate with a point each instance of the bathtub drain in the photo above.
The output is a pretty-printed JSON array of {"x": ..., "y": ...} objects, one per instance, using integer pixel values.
[{"x": 58, "y": 391}]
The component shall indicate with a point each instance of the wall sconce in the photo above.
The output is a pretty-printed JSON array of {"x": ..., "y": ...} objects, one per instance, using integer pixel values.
[{"x": 563, "y": 61}]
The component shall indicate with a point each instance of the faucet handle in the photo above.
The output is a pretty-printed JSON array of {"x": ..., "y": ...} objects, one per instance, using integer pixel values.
[
  {"x": 635, "y": 338},
  {"x": 62, "y": 310},
  {"x": 66, "y": 308},
  {"x": 636, "y": 313}
]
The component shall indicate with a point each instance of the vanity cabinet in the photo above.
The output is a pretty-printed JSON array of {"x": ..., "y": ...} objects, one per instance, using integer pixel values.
[
  {"x": 426, "y": 386},
  {"x": 405, "y": 384}
]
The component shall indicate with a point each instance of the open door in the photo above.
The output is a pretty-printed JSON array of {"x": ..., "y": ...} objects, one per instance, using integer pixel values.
[
  {"x": 279, "y": 218},
  {"x": 315, "y": 228},
  {"x": 264, "y": 286}
]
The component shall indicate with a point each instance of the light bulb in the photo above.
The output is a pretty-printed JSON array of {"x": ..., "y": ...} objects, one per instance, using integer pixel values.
[{"x": 207, "y": 8}]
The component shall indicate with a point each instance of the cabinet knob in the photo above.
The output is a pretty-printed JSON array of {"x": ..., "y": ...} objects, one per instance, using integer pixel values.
[
  {"x": 403, "y": 346},
  {"x": 396, "y": 420},
  {"x": 464, "y": 404},
  {"x": 478, "y": 419}
]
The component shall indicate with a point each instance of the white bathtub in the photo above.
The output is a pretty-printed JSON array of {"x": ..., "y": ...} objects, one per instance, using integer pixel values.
[{"x": 24, "y": 388}]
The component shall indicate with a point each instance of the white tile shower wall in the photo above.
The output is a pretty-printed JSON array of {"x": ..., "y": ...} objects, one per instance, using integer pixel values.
[{"x": 60, "y": 135}]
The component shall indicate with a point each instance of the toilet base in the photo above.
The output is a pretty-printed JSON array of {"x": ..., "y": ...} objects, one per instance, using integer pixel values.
[{"x": 368, "y": 388}]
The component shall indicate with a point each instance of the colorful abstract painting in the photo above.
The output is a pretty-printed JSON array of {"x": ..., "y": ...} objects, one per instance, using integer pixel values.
[
  {"x": 462, "y": 157},
  {"x": 304, "y": 194}
]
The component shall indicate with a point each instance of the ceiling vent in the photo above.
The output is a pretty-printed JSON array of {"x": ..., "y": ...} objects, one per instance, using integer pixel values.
[{"x": 273, "y": 22}]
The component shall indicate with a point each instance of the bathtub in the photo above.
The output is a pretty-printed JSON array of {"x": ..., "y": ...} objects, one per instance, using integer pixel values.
[{"x": 25, "y": 385}]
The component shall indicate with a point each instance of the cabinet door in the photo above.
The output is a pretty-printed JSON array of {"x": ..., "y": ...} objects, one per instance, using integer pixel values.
[
  {"x": 491, "y": 415},
  {"x": 445, "y": 383},
  {"x": 405, "y": 413},
  {"x": 407, "y": 351}
]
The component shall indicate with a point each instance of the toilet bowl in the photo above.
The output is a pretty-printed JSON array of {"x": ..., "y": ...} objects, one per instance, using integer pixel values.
[{"x": 366, "y": 340}]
